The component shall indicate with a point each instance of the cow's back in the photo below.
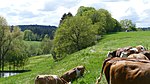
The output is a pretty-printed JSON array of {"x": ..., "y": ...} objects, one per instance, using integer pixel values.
[{"x": 129, "y": 72}]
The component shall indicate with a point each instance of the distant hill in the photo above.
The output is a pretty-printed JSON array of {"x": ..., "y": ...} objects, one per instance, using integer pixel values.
[
  {"x": 40, "y": 30},
  {"x": 145, "y": 28}
]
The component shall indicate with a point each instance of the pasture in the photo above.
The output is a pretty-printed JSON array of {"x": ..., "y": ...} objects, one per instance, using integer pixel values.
[{"x": 91, "y": 57}]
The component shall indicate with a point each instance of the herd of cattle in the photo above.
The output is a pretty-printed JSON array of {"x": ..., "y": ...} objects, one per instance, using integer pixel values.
[
  {"x": 129, "y": 65},
  {"x": 66, "y": 78}
]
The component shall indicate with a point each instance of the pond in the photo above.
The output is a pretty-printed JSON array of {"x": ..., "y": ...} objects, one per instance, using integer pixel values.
[
  {"x": 11, "y": 73},
  {"x": 7, "y": 74}
]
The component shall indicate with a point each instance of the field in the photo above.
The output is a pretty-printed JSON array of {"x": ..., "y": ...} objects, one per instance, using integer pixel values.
[{"x": 91, "y": 57}]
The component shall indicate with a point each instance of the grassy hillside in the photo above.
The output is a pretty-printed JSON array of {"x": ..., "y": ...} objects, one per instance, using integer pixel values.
[{"x": 91, "y": 60}]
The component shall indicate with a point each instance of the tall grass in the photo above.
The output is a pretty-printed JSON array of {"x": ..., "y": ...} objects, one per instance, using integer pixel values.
[{"x": 91, "y": 57}]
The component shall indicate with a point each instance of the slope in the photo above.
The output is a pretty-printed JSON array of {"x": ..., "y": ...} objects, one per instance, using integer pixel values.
[{"x": 91, "y": 57}]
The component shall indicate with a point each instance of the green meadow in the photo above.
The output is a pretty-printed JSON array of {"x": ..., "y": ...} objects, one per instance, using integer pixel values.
[{"x": 91, "y": 57}]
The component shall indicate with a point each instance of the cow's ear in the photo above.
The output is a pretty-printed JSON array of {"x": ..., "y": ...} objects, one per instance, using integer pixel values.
[
  {"x": 109, "y": 54},
  {"x": 37, "y": 77}
]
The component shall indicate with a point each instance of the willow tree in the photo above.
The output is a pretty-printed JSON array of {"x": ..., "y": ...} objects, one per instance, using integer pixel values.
[
  {"x": 73, "y": 35},
  {"x": 7, "y": 35}
]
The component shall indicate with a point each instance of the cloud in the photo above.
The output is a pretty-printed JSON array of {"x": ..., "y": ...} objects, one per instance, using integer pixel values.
[
  {"x": 27, "y": 14},
  {"x": 49, "y": 12},
  {"x": 113, "y": 0},
  {"x": 131, "y": 14},
  {"x": 98, "y": 5},
  {"x": 146, "y": 1},
  {"x": 145, "y": 19},
  {"x": 53, "y": 5}
]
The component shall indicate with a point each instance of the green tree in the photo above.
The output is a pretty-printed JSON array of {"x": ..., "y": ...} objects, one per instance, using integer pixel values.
[
  {"x": 74, "y": 34},
  {"x": 28, "y": 35},
  {"x": 65, "y": 16},
  {"x": 117, "y": 26},
  {"x": 17, "y": 56},
  {"x": 7, "y": 35},
  {"x": 46, "y": 45},
  {"x": 101, "y": 19},
  {"x": 5, "y": 40},
  {"x": 128, "y": 25},
  {"x": 82, "y": 11}
]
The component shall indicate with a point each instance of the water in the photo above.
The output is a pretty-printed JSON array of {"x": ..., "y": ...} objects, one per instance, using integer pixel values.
[{"x": 7, "y": 74}]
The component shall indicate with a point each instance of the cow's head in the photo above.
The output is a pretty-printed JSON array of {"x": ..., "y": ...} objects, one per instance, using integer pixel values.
[
  {"x": 140, "y": 48},
  {"x": 111, "y": 54}
]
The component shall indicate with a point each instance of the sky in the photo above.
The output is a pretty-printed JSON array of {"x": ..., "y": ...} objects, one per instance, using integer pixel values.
[{"x": 49, "y": 12}]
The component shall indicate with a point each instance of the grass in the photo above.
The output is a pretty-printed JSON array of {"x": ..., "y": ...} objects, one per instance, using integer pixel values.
[
  {"x": 35, "y": 44},
  {"x": 44, "y": 64}
]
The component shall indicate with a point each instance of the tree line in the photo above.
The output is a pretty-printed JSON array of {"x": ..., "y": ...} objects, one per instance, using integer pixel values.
[{"x": 37, "y": 32}]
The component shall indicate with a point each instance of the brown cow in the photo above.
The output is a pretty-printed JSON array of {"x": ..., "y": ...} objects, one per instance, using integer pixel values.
[
  {"x": 126, "y": 71},
  {"x": 138, "y": 56},
  {"x": 140, "y": 48},
  {"x": 106, "y": 68},
  {"x": 126, "y": 51},
  {"x": 130, "y": 72},
  {"x": 118, "y": 52},
  {"x": 49, "y": 79},
  {"x": 73, "y": 73},
  {"x": 146, "y": 53}
]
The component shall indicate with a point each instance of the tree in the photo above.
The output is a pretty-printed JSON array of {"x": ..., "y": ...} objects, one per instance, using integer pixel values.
[
  {"x": 28, "y": 35},
  {"x": 128, "y": 25},
  {"x": 7, "y": 36},
  {"x": 46, "y": 45},
  {"x": 84, "y": 10},
  {"x": 101, "y": 19},
  {"x": 117, "y": 26},
  {"x": 17, "y": 56},
  {"x": 65, "y": 16},
  {"x": 73, "y": 35}
]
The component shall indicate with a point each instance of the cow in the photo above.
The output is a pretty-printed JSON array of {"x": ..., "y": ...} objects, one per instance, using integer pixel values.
[
  {"x": 49, "y": 79},
  {"x": 146, "y": 53},
  {"x": 125, "y": 71},
  {"x": 118, "y": 52},
  {"x": 126, "y": 51},
  {"x": 106, "y": 68},
  {"x": 73, "y": 73},
  {"x": 130, "y": 72},
  {"x": 138, "y": 56},
  {"x": 140, "y": 48}
]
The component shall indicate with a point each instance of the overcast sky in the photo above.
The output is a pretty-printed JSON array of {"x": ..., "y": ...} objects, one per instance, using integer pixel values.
[{"x": 49, "y": 12}]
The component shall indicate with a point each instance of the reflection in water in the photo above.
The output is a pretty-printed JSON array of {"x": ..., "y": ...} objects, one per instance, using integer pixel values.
[
  {"x": 11, "y": 73},
  {"x": 7, "y": 74}
]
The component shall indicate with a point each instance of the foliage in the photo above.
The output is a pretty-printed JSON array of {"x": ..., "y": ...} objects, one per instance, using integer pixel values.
[
  {"x": 28, "y": 35},
  {"x": 91, "y": 60},
  {"x": 6, "y": 38},
  {"x": 101, "y": 19},
  {"x": 74, "y": 34},
  {"x": 82, "y": 30},
  {"x": 33, "y": 48},
  {"x": 17, "y": 56},
  {"x": 46, "y": 45},
  {"x": 39, "y": 31},
  {"x": 82, "y": 10},
  {"x": 65, "y": 16},
  {"x": 128, "y": 25},
  {"x": 12, "y": 48}
]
